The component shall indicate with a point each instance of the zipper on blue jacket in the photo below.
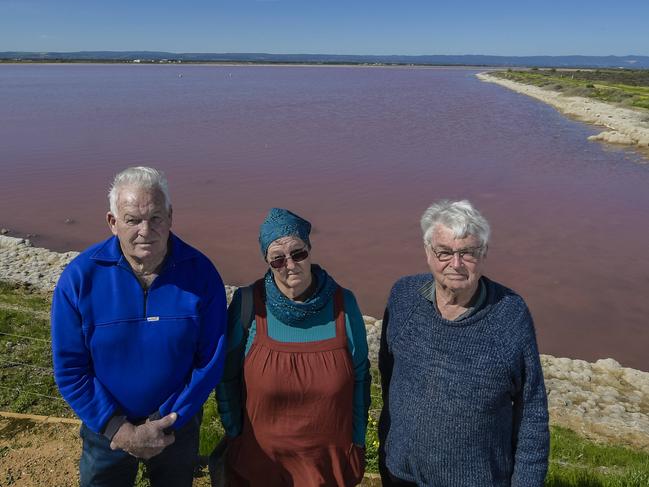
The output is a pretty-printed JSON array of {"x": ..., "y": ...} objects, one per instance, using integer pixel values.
[{"x": 145, "y": 290}]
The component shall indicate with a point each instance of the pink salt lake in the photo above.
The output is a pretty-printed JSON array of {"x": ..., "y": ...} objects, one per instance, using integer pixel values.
[{"x": 360, "y": 152}]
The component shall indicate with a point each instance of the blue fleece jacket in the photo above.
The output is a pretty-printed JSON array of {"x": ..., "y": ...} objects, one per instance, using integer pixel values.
[
  {"x": 120, "y": 349},
  {"x": 464, "y": 401}
]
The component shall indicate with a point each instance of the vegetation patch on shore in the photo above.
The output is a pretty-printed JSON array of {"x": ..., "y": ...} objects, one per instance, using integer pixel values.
[{"x": 627, "y": 87}]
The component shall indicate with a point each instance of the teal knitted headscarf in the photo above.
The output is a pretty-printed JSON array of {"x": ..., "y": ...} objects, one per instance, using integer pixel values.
[{"x": 283, "y": 223}]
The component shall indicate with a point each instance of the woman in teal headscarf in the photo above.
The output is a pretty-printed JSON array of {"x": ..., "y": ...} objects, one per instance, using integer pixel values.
[{"x": 295, "y": 391}]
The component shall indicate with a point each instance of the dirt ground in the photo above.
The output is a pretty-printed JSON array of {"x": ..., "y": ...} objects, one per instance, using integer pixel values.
[{"x": 38, "y": 454}]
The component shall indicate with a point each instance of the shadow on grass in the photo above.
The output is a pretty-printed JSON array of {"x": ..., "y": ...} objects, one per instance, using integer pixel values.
[{"x": 584, "y": 480}]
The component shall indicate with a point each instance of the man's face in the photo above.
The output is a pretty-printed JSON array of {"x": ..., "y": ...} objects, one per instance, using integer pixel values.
[
  {"x": 456, "y": 274},
  {"x": 142, "y": 224}
]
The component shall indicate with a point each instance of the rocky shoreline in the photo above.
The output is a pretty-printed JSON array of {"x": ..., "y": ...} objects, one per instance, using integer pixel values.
[
  {"x": 625, "y": 126},
  {"x": 602, "y": 401}
]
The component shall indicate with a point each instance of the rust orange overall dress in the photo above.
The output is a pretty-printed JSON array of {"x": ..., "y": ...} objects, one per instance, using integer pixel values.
[{"x": 297, "y": 426}]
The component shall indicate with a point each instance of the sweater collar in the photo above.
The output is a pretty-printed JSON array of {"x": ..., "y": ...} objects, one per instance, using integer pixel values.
[
  {"x": 111, "y": 252},
  {"x": 428, "y": 292}
]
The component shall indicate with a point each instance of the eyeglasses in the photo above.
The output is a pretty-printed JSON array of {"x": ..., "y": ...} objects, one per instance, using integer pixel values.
[
  {"x": 296, "y": 256},
  {"x": 468, "y": 254}
]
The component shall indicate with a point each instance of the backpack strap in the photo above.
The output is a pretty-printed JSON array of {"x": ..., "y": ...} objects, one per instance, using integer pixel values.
[{"x": 247, "y": 310}]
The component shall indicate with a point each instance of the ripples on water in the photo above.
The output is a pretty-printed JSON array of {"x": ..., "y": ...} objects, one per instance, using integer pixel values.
[{"x": 360, "y": 152}]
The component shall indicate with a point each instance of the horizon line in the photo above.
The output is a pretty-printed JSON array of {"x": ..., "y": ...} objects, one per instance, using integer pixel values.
[{"x": 315, "y": 54}]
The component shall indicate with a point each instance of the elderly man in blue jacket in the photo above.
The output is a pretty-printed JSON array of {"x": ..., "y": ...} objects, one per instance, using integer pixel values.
[{"x": 138, "y": 324}]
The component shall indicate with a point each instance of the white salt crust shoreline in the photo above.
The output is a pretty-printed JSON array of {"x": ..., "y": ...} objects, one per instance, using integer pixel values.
[
  {"x": 625, "y": 126},
  {"x": 602, "y": 401}
]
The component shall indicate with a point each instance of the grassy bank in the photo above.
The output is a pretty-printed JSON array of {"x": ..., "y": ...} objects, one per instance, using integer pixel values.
[
  {"x": 27, "y": 386},
  {"x": 26, "y": 381},
  {"x": 626, "y": 87}
]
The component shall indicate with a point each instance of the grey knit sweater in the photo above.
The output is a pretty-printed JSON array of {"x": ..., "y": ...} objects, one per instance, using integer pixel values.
[{"x": 464, "y": 401}]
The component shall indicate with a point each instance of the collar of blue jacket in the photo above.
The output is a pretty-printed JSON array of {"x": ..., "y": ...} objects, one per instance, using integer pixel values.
[{"x": 111, "y": 252}]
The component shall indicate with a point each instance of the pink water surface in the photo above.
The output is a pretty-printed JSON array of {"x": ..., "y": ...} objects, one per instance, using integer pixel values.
[{"x": 360, "y": 152}]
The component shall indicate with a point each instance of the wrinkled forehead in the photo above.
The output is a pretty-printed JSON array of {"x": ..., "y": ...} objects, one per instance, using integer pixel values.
[
  {"x": 444, "y": 236},
  {"x": 286, "y": 244},
  {"x": 140, "y": 199}
]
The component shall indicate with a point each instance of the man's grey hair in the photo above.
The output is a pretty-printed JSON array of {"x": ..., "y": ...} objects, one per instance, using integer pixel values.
[
  {"x": 458, "y": 216},
  {"x": 140, "y": 177}
]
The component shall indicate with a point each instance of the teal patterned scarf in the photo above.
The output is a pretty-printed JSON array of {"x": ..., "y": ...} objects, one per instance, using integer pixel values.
[{"x": 292, "y": 312}]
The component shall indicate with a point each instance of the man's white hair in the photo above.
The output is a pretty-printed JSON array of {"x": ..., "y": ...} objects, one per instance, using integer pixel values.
[
  {"x": 458, "y": 216},
  {"x": 140, "y": 177}
]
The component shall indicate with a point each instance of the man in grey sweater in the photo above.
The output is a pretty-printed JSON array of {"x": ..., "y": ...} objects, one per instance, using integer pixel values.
[{"x": 464, "y": 402}]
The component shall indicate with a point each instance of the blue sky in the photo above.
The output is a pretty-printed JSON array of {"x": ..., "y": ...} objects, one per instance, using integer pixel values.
[{"x": 522, "y": 27}]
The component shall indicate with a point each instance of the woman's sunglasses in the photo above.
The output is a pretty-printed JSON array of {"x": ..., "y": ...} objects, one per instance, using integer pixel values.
[{"x": 295, "y": 256}]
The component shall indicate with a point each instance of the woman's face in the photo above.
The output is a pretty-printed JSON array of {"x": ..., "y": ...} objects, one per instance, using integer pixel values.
[{"x": 292, "y": 278}]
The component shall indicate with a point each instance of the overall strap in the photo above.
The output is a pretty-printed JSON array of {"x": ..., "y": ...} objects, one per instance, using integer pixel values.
[{"x": 339, "y": 314}]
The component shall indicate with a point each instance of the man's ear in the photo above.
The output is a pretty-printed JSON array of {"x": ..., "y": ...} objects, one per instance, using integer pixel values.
[
  {"x": 427, "y": 249},
  {"x": 112, "y": 222}
]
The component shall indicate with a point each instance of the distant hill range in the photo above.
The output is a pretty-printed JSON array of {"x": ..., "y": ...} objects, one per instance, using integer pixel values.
[{"x": 633, "y": 62}]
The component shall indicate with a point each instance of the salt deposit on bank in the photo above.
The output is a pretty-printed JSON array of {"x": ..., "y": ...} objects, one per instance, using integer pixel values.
[{"x": 601, "y": 400}]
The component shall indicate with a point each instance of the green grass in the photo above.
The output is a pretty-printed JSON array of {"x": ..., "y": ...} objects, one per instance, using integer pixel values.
[
  {"x": 624, "y": 87},
  {"x": 574, "y": 461},
  {"x": 372, "y": 436},
  {"x": 211, "y": 429},
  {"x": 26, "y": 380}
]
